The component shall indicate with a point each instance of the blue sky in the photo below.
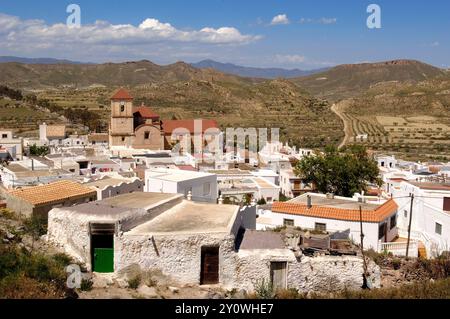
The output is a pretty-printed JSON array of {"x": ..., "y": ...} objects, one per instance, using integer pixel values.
[{"x": 320, "y": 33}]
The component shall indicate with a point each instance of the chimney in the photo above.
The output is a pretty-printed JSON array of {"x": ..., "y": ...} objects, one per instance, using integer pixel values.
[{"x": 309, "y": 201}]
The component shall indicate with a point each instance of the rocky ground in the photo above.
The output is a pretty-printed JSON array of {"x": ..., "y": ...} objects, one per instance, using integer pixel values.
[{"x": 133, "y": 283}]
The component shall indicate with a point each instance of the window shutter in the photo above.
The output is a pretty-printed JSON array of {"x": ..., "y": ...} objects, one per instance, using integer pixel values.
[{"x": 447, "y": 204}]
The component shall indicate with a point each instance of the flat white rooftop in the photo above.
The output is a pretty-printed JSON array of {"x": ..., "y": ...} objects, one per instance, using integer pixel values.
[{"x": 190, "y": 217}]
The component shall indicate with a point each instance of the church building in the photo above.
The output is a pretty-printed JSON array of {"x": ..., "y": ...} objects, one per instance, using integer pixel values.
[{"x": 138, "y": 127}]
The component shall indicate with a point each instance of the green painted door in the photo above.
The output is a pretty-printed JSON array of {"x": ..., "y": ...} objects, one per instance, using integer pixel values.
[{"x": 104, "y": 260}]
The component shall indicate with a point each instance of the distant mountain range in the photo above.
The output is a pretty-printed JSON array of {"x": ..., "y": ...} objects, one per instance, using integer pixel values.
[
  {"x": 265, "y": 73},
  {"x": 348, "y": 80},
  {"x": 229, "y": 68},
  {"x": 15, "y": 59}
]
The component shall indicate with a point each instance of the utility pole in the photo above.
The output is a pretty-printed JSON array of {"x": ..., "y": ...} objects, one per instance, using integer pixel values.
[
  {"x": 409, "y": 226},
  {"x": 365, "y": 283}
]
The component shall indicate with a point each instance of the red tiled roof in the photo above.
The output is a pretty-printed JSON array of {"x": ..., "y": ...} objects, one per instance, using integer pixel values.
[
  {"x": 398, "y": 179},
  {"x": 187, "y": 168},
  {"x": 170, "y": 125},
  {"x": 145, "y": 112},
  {"x": 53, "y": 193},
  {"x": 374, "y": 192},
  {"x": 121, "y": 94},
  {"x": 375, "y": 216}
]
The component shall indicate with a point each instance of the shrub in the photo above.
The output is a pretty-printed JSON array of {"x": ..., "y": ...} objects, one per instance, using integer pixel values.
[
  {"x": 62, "y": 259},
  {"x": 264, "y": 289},
  {"x": 439, "y": 289},
  {"x": 396, "y": 263},
  {"x": 86, "y": 285},
  {"x": 134, "y": 282},
  {"x": 35, "y": 226},
  {"x": 279, "y": 229},
  {"x": 290, "y": 293},
  {"x": 28, "y": 275},
  {"x": 262, "y": 201},
  {"x": 7, "y": 213},
  {"x": 438, "y": 268}
]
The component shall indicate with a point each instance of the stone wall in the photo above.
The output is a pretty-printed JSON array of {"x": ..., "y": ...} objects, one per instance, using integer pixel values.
[
  {"x": 308, "y": 274},
  {"x": 71, "y": 233},
  {"x": 178, "y": 256}
]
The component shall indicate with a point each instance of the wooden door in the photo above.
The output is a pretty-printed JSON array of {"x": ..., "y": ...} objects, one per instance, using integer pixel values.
[
  {"x": 278, "y": 275},
  {"x": 209, "y": 266}
]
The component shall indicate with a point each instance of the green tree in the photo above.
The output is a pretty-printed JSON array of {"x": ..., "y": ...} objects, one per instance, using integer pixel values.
[
  {"x": 343, "y": 172},
  {"x": 39, "y": 150}
]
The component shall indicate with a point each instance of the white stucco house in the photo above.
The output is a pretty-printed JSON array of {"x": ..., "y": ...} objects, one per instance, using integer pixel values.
[
  {"x": 194, "y": 243},
  {"x": 338, "y": 214},
  {"x": 13, "y": 144},
  {"x": 268, "y": 175},
  {"x": 200, "y": 185},
  {"x": 430, "y": 221},
  {"x": 109, "y": 187}
]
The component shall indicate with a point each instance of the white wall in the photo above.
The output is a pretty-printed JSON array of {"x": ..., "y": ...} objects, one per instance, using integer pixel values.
[
  {"x": 370, "y": 230},
  {"x": 427, "y": 211},
  {"x": 123, "y": 188},
  {"x": 195, "y": 185},
  {"x": 273, "y": 193}
]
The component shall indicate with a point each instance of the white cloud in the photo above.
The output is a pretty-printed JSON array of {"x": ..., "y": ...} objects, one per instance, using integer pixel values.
[
  {"x": 435, "y": 44},
  {"x": 280, "y": 19},
  {"x": 36, "y": 36},
  {"x": 289, "y": 59}
]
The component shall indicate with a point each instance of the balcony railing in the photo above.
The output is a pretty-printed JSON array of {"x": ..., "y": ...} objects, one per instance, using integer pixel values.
[{"x": 399, "y": 248}]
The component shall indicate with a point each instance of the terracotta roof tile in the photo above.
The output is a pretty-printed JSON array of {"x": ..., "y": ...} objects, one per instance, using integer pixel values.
[
  {"x": 52, "y": 193},
  {"x": 378, "y": 215},
  {"x": 145, "y": 112},
  {"x": 56, "y": 131},
  {"x": 121, "y": 94},
  {"x": 170, "y": 125}
]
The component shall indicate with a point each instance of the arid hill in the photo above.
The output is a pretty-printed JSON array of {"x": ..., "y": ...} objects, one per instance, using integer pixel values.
[
  {"x": 182, "y": 91},
  {"x": 350, "y": 80}
]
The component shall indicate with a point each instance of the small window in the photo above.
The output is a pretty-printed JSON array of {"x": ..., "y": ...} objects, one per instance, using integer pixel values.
[
  {"x": 381, "y": 230},
  {"x": 123, "y": 139},
  {"x": 206, "y": 189},
  {"x": 146, "y": 135},
  {"x": 320, "y": 227},
  {"x": 393, "y": 222},
  {"x": 122, "y": 107},
  {"x": 4, "y": 135},
  {"x": 438, "y": 229},
  {"x": 405, "y": 213},
  {"x": 288, "y": 222}
]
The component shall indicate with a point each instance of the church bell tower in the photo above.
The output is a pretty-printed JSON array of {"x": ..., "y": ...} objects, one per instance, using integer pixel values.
[{"x": 121, "y": 130}]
